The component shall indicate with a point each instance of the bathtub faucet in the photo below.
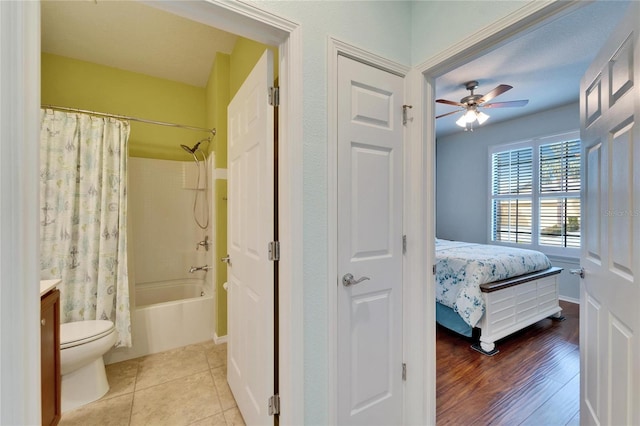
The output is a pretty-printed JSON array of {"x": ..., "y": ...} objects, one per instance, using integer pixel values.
[{"x": 199, "y": 268}]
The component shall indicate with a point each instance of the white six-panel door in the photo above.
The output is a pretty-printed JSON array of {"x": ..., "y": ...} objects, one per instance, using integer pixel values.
[
  {"x": 610, "y": 291},
  {"x": 369, "y": 245},
  {"x": 250, "y": 351}
]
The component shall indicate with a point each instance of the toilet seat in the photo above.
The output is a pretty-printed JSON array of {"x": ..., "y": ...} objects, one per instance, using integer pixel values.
[{"x": 81, "y": 332}]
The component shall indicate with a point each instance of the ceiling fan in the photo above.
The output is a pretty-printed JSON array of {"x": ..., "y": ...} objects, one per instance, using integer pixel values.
[{"x": 470, "y": 104}]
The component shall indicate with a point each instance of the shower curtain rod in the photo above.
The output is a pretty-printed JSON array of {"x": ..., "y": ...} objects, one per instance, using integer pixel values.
[{"x": 126, "y": 117}]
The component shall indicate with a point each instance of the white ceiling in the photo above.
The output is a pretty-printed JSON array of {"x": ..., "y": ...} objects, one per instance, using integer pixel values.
[
  {"x": 133, "y": 37},
  {"x": 544, "y": 66}
]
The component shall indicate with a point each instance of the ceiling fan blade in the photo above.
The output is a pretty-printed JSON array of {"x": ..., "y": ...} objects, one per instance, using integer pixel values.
[
  {"x": 495, "y": 92},
  {"x": 519, "y": 103},
  {"x": 449, "y": 113},
  {"x": 444, "y": 101}
]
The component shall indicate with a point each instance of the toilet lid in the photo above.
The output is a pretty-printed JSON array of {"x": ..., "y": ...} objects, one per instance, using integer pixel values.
[{"x": 80, "y": 332}]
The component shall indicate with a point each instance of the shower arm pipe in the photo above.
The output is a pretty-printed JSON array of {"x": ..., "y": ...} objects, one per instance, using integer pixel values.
[{"x": 126, "y": 117}]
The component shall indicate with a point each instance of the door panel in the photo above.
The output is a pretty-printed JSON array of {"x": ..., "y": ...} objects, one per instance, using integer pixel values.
[
  {"x": 371, "y": 167},
  {"x": 369, "y": 244},
  {"x": 594, "y": 205},
  {"x": 250, "y": 274},
  {"x": 610, "y": 291}
]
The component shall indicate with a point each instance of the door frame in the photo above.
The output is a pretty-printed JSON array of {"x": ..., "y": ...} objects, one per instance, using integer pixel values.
[
  {"x": 21, "y": 104},
  {"x": 531, "y": 16},
  {"x": 335, "y": 48},
  {"x": 265, "y": 27},
  {"x": 19, "y": 224}
]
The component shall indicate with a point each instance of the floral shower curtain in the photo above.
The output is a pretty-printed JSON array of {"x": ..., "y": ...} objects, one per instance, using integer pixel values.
[{"x": 83, "y": 202}]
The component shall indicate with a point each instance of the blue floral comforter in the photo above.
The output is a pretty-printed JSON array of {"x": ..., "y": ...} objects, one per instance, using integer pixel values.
[{"x": 462, "y": 267}]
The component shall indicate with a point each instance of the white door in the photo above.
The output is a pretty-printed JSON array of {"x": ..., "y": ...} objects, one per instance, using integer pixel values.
[
  {"x": 250, "y": 273},
  {"x": 369, "y": 245},
  {"x": 610, "y": 291}
]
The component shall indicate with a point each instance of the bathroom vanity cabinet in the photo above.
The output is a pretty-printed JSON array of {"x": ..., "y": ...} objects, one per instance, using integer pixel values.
[{"x": 50, "y": 356}]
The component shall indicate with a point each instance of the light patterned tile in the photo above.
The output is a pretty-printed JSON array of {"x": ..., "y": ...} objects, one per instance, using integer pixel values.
[
  {"x": 220, "y": 346},
  {"x": 224, "y": 392},
  {"x": 121, "y": 377},
  {"x": 217, "y": 420},
  {"x": 233, "y": 417},
  {"x": 114, "y": 411},
  {"x": 178, "y": 402},
  {"x": 166, "y": 366},
  {"x": 217, "y": 355},
  {"x": 207, "y": 344}
]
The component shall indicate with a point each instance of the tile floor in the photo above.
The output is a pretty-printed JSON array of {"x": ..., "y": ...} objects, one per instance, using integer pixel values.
[{"x": 184, "y": 386}]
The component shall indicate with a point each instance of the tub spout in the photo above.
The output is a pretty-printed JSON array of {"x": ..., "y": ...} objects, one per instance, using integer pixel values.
[{"x": 199, "y": 268}]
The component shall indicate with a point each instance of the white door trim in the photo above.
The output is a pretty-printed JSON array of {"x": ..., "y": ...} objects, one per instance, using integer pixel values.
[
  {"x": 254, "y": 23},
  {"x": 19, "y": 218},
  {"x": 21, "y": 63},
  {"x": 335, "y": 48},
  {"x": 529, "y": 17}
]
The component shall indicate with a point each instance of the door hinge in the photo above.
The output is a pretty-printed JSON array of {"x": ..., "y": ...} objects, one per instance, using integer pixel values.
[
  {"x": 434, "y": 269},
  {"x": 274, "y": 96},
  {"x": 274, "y": 405},
  {"x": 404, "y": 114},
  {"x": 274, "y": 250},
  {"x": 404, "y": 372},
  {"x": 404, "y": 244}
]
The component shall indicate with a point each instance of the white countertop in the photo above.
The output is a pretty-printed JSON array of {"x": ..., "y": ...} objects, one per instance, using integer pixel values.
[{"x": 46, "y": 285}]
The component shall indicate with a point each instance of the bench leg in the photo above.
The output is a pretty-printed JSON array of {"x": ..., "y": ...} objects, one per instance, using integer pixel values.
[{"x": 557, "y": 316}]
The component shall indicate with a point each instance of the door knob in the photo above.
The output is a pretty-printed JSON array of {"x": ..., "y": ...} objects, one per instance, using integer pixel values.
[
  {"x": 579, "y": 272},
  {"x": 348, "y": 280}
]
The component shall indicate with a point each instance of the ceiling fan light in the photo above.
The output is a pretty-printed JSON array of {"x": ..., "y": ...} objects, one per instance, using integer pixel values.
[
  {"x": 470, "y": 116},
  {"x": 462, "y": 121},
  {"x": 482, "y": 117}
]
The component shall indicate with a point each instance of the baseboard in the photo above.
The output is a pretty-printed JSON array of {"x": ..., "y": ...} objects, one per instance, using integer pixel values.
[
  {"x": 569, "y": 299},
  {"x": 219, "y": 339}
]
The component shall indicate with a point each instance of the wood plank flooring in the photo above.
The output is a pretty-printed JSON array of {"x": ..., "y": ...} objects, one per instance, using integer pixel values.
[{"x": 533, "y": 380}]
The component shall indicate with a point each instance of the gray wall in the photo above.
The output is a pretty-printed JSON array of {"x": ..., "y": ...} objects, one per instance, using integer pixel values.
[{"x": 462, "y": 177}]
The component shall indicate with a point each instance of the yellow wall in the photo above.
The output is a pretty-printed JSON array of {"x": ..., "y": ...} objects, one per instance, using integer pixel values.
[
  {"x": 217, "y": 101},
  {"x": 78, "y": 84},
  {"x": 244, "y": 57},
  {"x": 217, "y": 98}
]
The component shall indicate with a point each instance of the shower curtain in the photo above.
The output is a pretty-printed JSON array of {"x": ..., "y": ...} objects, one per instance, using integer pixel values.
[{"x": 83, "y": 204}]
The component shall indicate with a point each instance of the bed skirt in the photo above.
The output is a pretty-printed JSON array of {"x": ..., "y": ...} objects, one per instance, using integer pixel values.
[{"x": 448, "y": 318}]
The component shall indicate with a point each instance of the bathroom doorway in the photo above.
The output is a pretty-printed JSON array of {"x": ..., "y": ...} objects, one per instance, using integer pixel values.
[{"x": 235, "y": 18}]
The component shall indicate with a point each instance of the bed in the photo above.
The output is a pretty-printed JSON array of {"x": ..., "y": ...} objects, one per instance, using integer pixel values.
[{"x": 498, "y": 290}]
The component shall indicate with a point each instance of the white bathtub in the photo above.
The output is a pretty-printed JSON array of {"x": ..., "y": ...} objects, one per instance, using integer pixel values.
[
  {"x": 170, "y": 291},
  {"x": 168, "y": 315}
]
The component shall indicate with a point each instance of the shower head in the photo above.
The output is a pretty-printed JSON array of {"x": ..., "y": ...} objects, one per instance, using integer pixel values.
[{"x": 191, "y": 150}]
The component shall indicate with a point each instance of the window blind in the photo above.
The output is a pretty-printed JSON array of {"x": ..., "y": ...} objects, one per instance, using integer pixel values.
[
  {"x": 513, "y": 172},
  {"x": 512, "y": 184},
  {"x": 535, "y": 194},
  {"x": 560, "y": 177},
  {"x": 560, "y": 167}
]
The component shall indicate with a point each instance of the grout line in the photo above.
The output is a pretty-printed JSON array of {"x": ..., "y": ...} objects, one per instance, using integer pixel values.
[
  {"x": 133, "y": 400},
  {"x": 135, "y": 384}
]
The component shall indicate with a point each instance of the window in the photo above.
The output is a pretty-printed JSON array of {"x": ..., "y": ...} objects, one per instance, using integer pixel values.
[
  {"x": 512, "y": 189},
  {"x": 535, "y": 194}
]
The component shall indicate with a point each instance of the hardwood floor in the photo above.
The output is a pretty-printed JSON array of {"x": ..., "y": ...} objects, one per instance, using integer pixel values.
[{"x": 533, "y": 380}]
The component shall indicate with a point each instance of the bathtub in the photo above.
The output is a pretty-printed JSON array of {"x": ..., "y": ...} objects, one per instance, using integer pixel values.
[
  {"x": 168, "y": 315},
  {"x": 170, "y": 291}
]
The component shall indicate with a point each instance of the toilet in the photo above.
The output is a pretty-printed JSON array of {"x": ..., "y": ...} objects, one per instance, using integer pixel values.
[{"x": 82, "y": 344}]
